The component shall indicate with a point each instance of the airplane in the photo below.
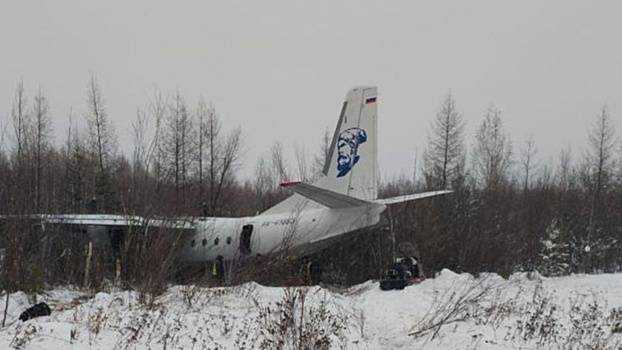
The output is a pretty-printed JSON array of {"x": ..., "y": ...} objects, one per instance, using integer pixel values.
[{"x": 343, "y": 200}]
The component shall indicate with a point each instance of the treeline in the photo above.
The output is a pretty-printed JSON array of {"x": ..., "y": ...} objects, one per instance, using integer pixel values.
[
  {"x": 182, "y": 159},
  {"x": 509, "y": 211},
  {"x": 183, "y": 162}
]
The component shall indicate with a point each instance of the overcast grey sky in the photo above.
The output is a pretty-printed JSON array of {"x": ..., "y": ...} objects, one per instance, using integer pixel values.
[{"x": 280, "y": 69}]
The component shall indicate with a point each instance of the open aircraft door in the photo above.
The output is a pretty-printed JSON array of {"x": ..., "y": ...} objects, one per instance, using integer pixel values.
[{"x": 246, "y": 239}]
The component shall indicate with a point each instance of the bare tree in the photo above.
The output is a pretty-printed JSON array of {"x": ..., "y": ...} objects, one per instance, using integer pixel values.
[
  {"x": 154, "y": 154},
  {"x": 598, "y": 170},
  {"x": 219, "y": 156},
  {"x": 321, "y": 158},
  {"x": 21, "y": 182},
  {"x": 102, "y": 143},
  {"x": 445, "y": 154},
  {"x": 42, "y": 129},
  {"x": 203, "y": 114},
  {"x": 4, "y": 169},
  {"x": 76, "y": 168},
  {"x": 545, "y": 175},
  {"x": 263, "y": 183},
  {"x": 213, "y": 140},
  {"x": 493, "y": 150},
  {"x": 178, "y": 147},
  {"x": 20, "y": 269},
  {"x": 599, "y": 158},
  {"x": 564, "y": 169},
  {"x": 527, "y": 161},
  {"x": 20, "y": 187},
  {"x": 140, "y": 127},
  {"x": 140, "y": 160},
  {"x": 279, "y": 167},
  {"x": 304, "y": 169},
  {"x": 3, "y": 128},
  {"x": 228, "y": 162},
  {"x": 21, "y": 120}
]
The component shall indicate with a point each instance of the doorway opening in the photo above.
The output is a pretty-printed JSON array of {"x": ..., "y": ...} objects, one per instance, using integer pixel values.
[{"x": 245, "y": 239}]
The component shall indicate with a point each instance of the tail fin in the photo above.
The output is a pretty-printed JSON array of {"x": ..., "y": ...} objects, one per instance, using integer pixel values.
[{"x": 351, "y": 167}]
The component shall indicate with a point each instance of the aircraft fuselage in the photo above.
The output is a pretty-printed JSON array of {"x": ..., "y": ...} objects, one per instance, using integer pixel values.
[{"x": 231, "y": 238}]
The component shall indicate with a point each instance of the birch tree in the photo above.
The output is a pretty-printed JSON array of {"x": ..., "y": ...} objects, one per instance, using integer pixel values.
[
  {"x": 493, "y": 150},
  {"x": 528, "y": 162}
]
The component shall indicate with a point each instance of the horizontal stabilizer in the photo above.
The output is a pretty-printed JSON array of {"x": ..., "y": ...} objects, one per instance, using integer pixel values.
[
  {"x": 410, "y": 197},
  {"x": 325, "y": 197}
]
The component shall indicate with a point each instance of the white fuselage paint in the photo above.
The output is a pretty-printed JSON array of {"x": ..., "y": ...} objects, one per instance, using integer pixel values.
[{"x": 215, "y": 237}]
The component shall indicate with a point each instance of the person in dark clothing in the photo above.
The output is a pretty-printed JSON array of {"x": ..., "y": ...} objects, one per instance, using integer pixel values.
[
  {"x": 399, "y": 269},
  {"x": 218, "y": 269},
  {"x": 315, "y": 273},
  {"x": 415, "y": 267},
  {"x": 91, "y": 206},
  {"x": 204, "y": 208},
  {"x": 306, "y": 271}
]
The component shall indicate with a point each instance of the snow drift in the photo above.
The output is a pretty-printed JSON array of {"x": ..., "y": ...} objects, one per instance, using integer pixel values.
[{"x": 451, "y": 311}]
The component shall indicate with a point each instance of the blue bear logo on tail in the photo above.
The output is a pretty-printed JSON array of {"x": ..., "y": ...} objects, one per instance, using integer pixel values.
[{"x": 347, "y": 149}]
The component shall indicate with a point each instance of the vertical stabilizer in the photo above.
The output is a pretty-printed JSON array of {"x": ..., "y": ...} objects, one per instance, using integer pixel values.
[
  {"x": 352, "y": 164},
  {"x": 351, "y": 167}
]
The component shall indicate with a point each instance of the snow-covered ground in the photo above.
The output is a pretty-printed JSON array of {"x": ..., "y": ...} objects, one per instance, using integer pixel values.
[{"x": 451, "y": 311}]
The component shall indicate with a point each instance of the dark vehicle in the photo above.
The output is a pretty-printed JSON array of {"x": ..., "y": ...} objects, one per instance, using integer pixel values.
[{"x": 404, "y": 272}]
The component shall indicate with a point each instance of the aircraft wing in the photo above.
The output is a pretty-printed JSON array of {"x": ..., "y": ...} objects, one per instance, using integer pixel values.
[
  {"x": 410, "y": 197},
  {"x": 107, "y": 220},
  {"x": 323, "y": 196},
  {"x": 86, "y": 219}
]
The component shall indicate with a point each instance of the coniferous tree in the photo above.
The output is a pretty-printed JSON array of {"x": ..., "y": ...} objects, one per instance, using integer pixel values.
[
  {"x": 597, "y": 173},
  {"x": 554, "y": 256},
  {"x": 445, "y": 155}
]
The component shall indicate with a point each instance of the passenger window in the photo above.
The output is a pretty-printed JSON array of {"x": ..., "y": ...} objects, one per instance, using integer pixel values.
[
  {"x": 228, "y": 240},
  {"x": 216, "y": 241},
  {"x": 204, "y": 242},
  {"x": 193, "y": 243}
]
